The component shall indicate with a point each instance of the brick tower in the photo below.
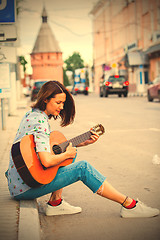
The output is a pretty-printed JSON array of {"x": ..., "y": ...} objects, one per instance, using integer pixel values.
[{"x": 46, "y": 56}]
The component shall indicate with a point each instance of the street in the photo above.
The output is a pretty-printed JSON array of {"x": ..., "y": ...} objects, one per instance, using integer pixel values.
[{"x": 124, "y": 155}]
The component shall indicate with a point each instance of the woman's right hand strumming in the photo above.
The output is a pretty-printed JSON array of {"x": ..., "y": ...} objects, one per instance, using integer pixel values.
[{"x": 71, "y": 151}]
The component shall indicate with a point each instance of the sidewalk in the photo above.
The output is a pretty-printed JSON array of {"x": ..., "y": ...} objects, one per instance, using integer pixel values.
[{"x": 18, "y": 220}]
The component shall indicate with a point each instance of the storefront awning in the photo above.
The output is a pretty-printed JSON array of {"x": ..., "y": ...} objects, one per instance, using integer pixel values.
[
  {"x": 153, "y": 49},
  {"x": 137, "y": 58}
]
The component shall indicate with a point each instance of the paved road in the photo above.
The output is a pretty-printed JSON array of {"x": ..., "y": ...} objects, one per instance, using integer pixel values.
[{"x": 124, "y": 154}]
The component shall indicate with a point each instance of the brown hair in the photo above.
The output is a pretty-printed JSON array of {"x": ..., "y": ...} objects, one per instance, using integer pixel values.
[{"x": 48, "y": 91}]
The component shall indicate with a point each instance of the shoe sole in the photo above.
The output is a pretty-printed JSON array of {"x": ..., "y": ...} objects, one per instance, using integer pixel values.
[
  {"x": 134, "y": 216},
  {"x": 66, "y": 213}
]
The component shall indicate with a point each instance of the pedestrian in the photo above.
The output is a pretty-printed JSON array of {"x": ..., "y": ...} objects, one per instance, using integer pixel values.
[{"x": 54, "y": 101}]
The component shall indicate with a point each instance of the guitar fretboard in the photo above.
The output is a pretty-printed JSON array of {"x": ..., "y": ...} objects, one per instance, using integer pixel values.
[{"x": 76, "y": 140}]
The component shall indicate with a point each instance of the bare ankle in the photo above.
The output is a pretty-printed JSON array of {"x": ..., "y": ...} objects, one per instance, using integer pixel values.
[
  {"x": 55, "y": 197},
  {"x": 127, "y": 201}
]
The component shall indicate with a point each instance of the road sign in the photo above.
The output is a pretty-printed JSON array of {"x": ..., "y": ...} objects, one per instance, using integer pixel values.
[
  {"x": 7, "y": 11},
  {"x": 114, "y": 65},
  {"x": 8, "y": 32},
  {"x": 7, "y": 21}
]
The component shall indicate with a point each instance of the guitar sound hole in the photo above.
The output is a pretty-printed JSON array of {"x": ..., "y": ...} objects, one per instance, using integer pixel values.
[{"x": 56, "y": 149}]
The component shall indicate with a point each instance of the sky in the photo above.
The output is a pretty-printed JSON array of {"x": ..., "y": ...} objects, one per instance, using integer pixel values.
[{"x": 69, "y": 20}]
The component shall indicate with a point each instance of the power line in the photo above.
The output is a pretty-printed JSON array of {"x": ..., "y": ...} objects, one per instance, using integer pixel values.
[
  {"x": 96, "y": 32},
  {"x": 68, "y": 29}
]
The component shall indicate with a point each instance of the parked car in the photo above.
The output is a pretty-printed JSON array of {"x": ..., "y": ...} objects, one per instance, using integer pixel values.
[
  {"x": 154, "y": 90},
  {"x": 79, "y": 88},
  {"x": 116, "y": 84},
  {"x": 35, "y": 89}
]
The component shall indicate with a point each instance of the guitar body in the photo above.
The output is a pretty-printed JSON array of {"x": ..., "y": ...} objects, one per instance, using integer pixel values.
[{"x": 28, "y": 164}]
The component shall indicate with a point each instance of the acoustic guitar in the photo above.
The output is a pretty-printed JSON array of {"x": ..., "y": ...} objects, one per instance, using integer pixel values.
[{"x": 28, "y": 164}]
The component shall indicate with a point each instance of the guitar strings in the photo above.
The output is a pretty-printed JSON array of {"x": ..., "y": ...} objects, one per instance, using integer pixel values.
[{"x": 77, "y": 140}]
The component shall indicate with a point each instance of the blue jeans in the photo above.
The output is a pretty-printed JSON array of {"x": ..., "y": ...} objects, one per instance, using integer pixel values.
[{"x": 67, "y": 175}]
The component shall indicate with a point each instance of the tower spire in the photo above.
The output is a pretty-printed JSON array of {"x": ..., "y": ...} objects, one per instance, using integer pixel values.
[
  {"x": 44, "y": 15},
  {"x": 46, "y": 56}
]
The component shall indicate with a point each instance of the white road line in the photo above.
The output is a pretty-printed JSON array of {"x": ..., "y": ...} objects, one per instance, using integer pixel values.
[
  {"x": 154, "y": 129},
  {"x": 131, "y": 130}
]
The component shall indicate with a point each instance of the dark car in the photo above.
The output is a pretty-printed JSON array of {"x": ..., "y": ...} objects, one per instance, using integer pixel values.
[
  {"x": 79, "y": 88},
  {"x": 153, "y": 91},
  {"x": 35, "y": 89},
  {"x": 116, "y": 84}
]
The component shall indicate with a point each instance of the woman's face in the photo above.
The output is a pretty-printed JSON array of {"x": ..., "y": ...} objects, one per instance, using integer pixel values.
[{"x": 55, "y": 105}]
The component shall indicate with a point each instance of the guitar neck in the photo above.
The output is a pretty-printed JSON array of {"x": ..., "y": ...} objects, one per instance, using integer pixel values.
[
  {"x": 76, "y": 140},
  {"x": 79, "y": 139}
]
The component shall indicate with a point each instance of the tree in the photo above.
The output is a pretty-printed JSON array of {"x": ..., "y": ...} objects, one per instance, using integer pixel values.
[
  {"x": 74, "y": 62},
  {"x": 23, "y": 62},
  {"x": 65, "y": 78}
]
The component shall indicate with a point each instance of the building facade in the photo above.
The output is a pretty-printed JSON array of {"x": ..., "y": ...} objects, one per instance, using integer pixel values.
[
  {"x": 46, "y": 56},
  {"x": 126, "y": 40}
]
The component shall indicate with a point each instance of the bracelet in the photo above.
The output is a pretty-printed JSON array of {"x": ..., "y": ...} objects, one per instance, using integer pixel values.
[{"x": 124, "y": 201}]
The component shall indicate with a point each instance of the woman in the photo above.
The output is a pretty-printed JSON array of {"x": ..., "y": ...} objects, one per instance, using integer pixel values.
[{"x": 55, "y": 101}]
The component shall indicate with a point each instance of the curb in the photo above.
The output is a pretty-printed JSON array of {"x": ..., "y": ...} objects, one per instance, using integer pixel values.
[
  {"x": 18, "y": 219},
  {"x": 29, "y": 224}
]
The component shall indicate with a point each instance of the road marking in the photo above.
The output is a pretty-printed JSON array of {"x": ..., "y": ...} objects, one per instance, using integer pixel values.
[
  {"x": 154, "y": 129},
  {"x": 131, "y": 130}
]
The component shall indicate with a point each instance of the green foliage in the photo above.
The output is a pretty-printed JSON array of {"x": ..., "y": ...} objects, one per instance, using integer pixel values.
[
  {"x": 87, "y": 78},
  {"x": 23, "y": 62},
  {"x": 74, "y": 62},
  {"x": 65, "y": 78}
]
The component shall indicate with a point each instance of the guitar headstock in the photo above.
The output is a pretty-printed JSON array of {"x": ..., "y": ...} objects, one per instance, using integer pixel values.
[{"x": 99, "y": 129}]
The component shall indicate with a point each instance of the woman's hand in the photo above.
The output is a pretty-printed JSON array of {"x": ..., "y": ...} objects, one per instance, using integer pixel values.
[
  {"x": 71, "y": 151},
  {"x": 94, "y": 137},
  {"x": 50, "y": 160}
]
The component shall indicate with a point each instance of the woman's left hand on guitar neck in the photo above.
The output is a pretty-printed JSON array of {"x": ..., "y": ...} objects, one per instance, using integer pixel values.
[{"x": 94, "y": 137}]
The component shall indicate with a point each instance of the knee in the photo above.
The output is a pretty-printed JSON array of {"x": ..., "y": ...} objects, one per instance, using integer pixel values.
[
  {"x": 84, "y": 167},
  {"x": 84, "y": 164}
]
